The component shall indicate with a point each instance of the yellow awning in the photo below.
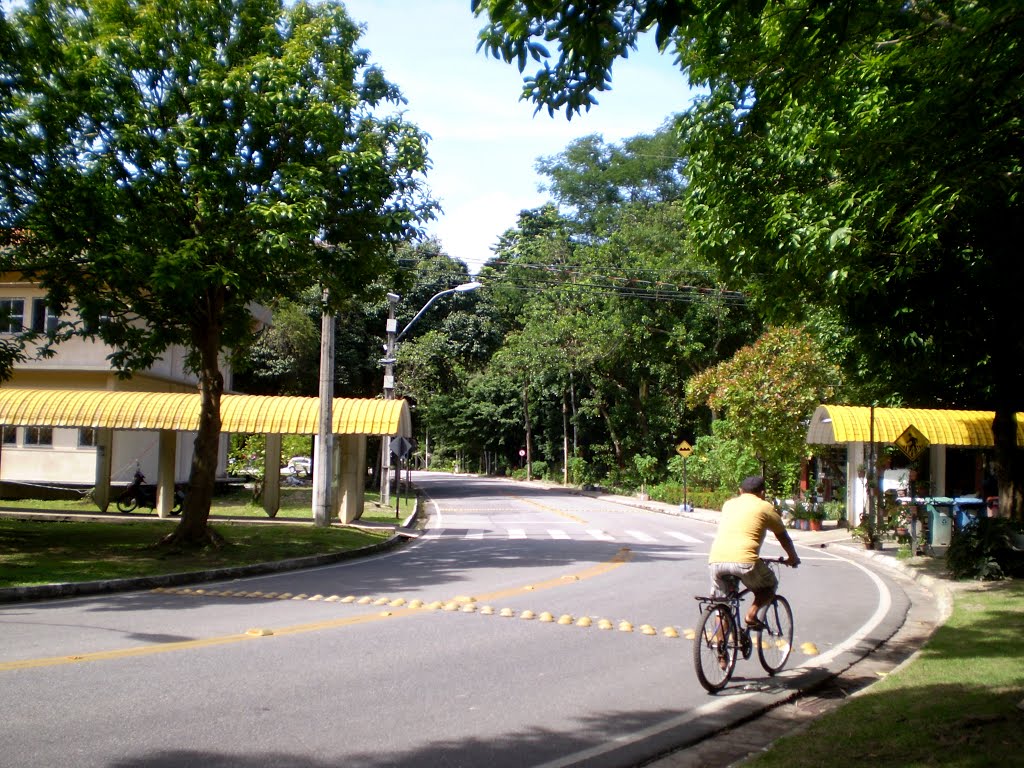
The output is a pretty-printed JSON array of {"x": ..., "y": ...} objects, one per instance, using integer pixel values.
[
  {"x": 833, "y": 424},
  {"x": 180, "y": 412}
]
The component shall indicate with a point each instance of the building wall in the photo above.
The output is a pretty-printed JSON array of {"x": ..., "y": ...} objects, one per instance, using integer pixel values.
[{"x": 83, "y": 364}]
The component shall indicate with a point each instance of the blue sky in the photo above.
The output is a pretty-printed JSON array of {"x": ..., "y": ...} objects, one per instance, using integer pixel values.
[{"x": 484, "y": 140}]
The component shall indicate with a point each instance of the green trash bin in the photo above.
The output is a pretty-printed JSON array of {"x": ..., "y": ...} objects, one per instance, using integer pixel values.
[{"x": 940, "y": 525}]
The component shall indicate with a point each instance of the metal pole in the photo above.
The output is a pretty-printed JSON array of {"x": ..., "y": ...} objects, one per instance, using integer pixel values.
[
  {"x": 325, "y": 436},
  {"x": 389, "y": 394}
]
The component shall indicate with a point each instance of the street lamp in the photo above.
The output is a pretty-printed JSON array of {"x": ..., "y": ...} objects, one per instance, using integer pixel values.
[{"x": 389, "y": 370}]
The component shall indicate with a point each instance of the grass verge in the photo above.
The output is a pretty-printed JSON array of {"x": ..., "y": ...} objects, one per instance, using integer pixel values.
[
  {"x": 957, "y": 704},
  {"x": 39, "y": 552},
  {"x": 34, "y": 552}
]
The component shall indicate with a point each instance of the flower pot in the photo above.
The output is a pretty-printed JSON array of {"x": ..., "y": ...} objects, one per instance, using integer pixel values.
[{"x": 815, "y": 525}]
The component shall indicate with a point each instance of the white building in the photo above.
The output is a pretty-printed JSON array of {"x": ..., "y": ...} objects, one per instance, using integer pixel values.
[{"x": 33, "y": 459}]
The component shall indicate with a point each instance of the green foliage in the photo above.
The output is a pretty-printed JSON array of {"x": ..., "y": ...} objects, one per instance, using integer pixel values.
[
  {"x": 985, "y": 550},
  {"x": 720, "y": 461},
  {"x": 540, "y": 470},
  {"x": 579, "y": 471},
  {"x": 768, "y": 391},
  {"x": 834, "y": 510},
  {"x": 175, "y": 163}
]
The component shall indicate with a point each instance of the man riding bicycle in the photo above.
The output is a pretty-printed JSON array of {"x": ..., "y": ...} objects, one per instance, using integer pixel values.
[{"x": 736, "y": 551}]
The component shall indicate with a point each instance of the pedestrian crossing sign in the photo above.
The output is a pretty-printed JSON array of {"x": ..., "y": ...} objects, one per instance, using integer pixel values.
[{"x": 912, "y": 442}]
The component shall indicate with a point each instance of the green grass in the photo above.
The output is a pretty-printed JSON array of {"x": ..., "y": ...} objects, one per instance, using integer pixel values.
[
  {"x": 41, "y": 552},
  {"x": 295, "y": 502},
  {"x": 37, "y": 552},
  {"x": 957, "y": 704}
]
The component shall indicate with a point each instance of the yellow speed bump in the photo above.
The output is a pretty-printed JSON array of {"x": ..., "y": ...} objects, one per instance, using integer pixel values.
[
  {"x": 464, "y": 599},
  {"x": 397, "y": 602},
  {"x": 436, "y": 605},
  {"x": 547, "y": 617},
  {"x": 584, "y": 621},
  {"x": 809, "y": 648},
  {"x": 565, "y": 619},
  {"x": 382, "y": 601},
  {"x": 527, "y": 615},
  {"x": 647, "y": 629},
  {"x": 670, "y": 632},
  {"x": 348, "y": 599},
  {"x": 625, "y": 626},
  {"x": 451, "y": 605},
  {"x": 469, "y": 608},
  {"x": 689, "y": 634},
  {"x": 506, "y": 612},
  {"x": 604, "y": 624},
  {"x": 417, "y": 603},
  {"x": 487, "y": 610}
]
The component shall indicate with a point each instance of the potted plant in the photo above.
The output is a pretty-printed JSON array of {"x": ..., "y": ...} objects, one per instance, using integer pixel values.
[{"x": 815, "y": 516}]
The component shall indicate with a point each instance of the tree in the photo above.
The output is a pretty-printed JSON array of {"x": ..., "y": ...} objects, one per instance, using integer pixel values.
[
  {"x": 168, "y": 164},
  {"x": 767, "y": 392},
  {"x": 865, "y": 157}
]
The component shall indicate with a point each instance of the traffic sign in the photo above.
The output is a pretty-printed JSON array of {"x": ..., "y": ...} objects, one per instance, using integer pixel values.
[
  {"x": 400, "y": 446},
  {"x": 684, "y": 449},
  {"x": 912, "y": 442}
]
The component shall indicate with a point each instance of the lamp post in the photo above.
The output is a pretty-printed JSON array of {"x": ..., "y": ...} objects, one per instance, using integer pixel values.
[{"x": 389, "y": 371}]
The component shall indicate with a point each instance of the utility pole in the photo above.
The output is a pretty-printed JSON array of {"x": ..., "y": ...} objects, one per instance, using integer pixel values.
[
  {"x": 324, "y": 457},
  {"x": 389, "y": 394}
]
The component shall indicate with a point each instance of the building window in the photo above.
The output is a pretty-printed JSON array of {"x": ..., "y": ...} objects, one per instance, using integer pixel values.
[
  {"x": 38, "y": 436},
  {"x": 12, "y": 315},
  {"x": 10, "y": 435},
  {"x": 86, "y": 437},
  {"x": 43, "y": 320}
]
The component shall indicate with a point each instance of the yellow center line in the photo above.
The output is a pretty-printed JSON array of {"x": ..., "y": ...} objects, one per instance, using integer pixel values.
[{"x": 621, "y": 558}]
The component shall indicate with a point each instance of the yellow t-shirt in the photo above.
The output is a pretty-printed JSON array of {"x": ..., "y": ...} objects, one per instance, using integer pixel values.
[{"x": 741, "y": 530}]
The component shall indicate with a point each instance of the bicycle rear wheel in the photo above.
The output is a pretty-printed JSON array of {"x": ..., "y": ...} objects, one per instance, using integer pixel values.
[
  {"x": 775, "y": 641},
  {"x": 127, "y": 502},
  {"x": 714, "y": 648}
]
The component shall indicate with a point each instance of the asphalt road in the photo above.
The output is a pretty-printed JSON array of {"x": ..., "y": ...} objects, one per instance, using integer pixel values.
[{"x": 494, "y": 666}]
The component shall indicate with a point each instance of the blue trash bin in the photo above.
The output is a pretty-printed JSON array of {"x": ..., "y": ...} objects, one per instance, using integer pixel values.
[{"x": 967, "y": 509}]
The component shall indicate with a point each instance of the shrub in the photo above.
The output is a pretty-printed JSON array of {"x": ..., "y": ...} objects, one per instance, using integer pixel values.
[
  {"x": 579, "y": 471},
  {"x": 984, "y": 550},
  {"x": 539, "y": 469}
]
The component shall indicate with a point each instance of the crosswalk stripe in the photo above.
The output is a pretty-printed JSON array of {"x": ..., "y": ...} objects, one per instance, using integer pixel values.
[
  {"x": 684, "y": 537},
  {"x": 557, "y": 534},
  {"x": 641, "y": 536},
  {"x": 479, "y": 534},
  {"x": 516, "y": 533},
  {"x": 599, "y": 534}
]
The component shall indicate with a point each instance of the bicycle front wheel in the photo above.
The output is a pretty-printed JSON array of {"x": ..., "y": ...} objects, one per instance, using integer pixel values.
[
  {"x": 775, "y": 641},
  {"x": 714, "y": 648}
]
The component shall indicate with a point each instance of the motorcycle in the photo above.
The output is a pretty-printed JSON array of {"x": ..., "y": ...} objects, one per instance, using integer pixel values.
[{"x": 140, "y": 495}]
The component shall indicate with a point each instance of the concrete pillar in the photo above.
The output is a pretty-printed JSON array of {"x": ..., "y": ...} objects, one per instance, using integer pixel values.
[
  {"x": 165, "y": 476},
  {"x": 272, "y": 475},
  {"x": 352, "y": 455},
  {"x": 104, "y": 448},
  {"x": 856, "y": 486}
]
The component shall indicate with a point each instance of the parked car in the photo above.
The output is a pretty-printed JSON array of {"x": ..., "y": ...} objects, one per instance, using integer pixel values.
[{"x": 300, "y": 466}]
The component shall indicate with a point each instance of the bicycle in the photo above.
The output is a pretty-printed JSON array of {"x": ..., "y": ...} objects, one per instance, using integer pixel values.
[{"x": 723, "y": 636}]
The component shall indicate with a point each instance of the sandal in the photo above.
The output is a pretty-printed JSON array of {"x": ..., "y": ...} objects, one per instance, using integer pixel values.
[{"x": 756, "y": 626}]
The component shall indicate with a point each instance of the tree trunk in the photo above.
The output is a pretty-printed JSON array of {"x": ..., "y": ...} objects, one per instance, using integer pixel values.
[
  {"x": 616, "y": 443},
  {"x": 192, "y": 529},
  {"x": 1007, "y": 463}
]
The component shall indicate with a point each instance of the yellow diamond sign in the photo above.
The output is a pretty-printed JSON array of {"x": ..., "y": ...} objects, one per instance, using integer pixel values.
[
  {"x": 912, "y": 442},
  {"x": 684, "y": 449}
]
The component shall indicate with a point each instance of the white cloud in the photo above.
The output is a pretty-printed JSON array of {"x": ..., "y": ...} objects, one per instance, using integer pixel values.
[{"x": 485, "y": 141}]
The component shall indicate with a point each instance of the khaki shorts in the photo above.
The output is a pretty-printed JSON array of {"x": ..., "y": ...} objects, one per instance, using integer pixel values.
[{"x": 753, "y": 575}]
